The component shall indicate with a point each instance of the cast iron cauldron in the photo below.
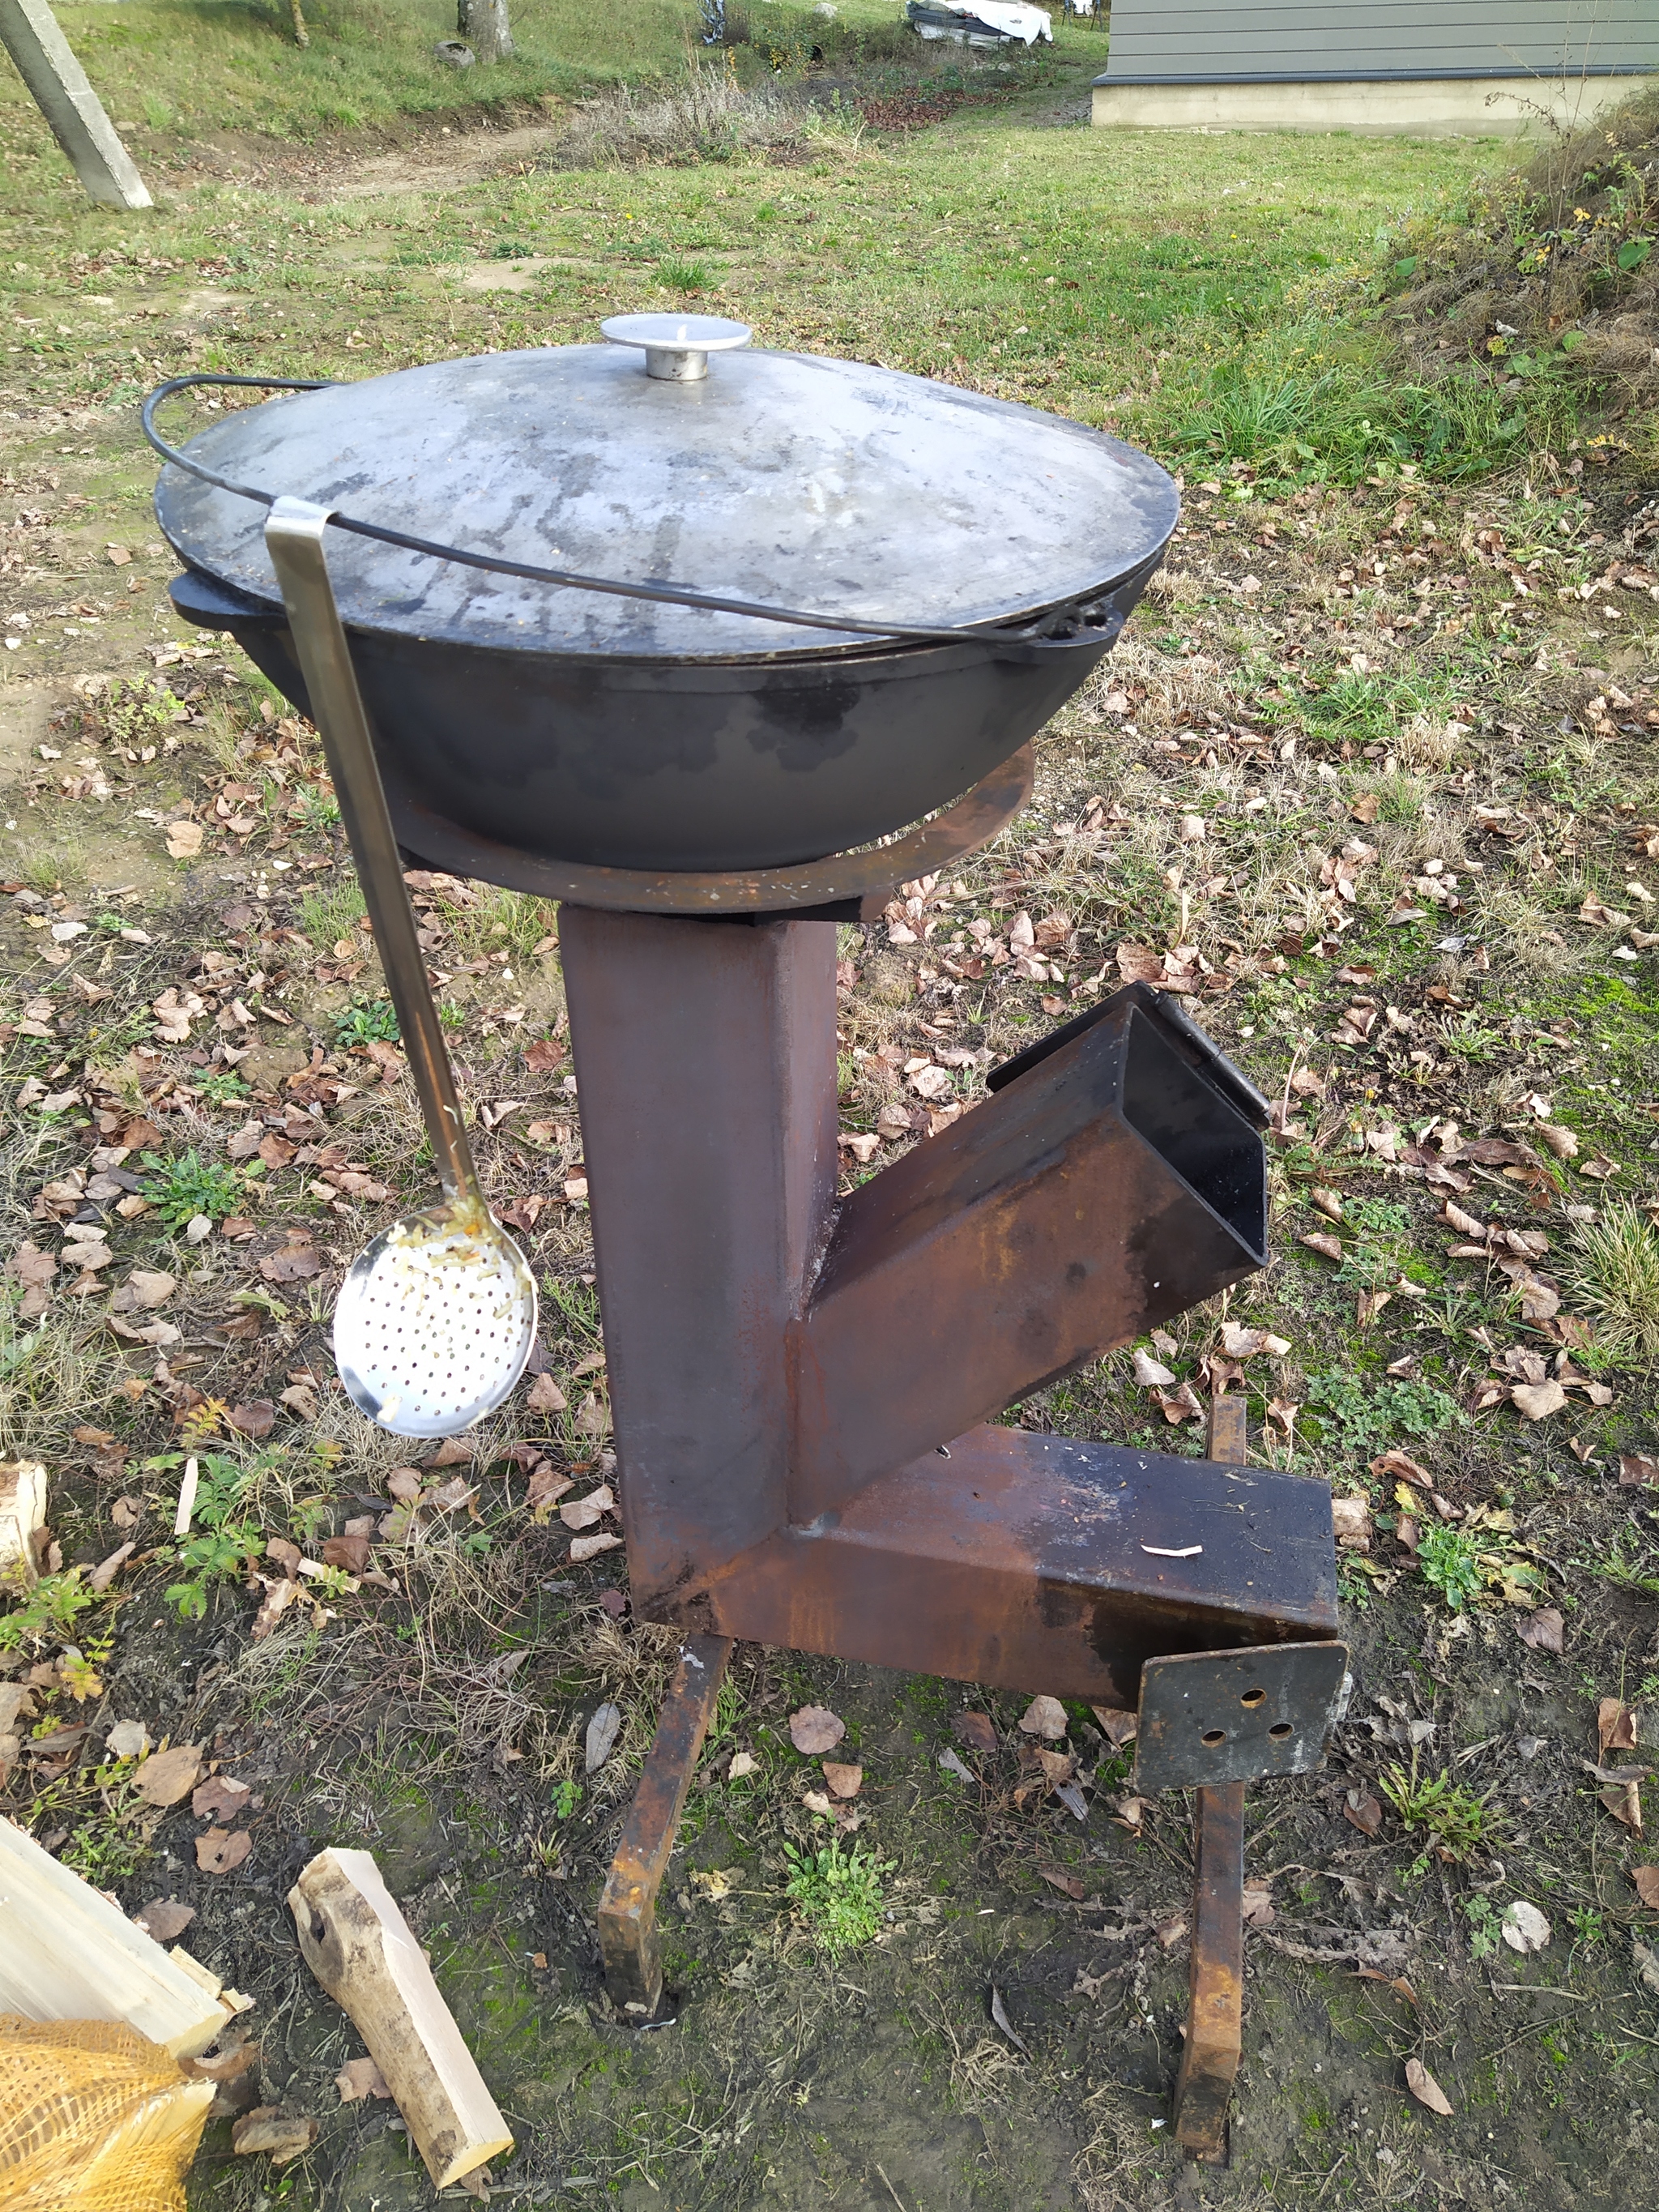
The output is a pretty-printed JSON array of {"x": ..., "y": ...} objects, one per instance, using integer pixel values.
[{"x": 1003, "y": 546}]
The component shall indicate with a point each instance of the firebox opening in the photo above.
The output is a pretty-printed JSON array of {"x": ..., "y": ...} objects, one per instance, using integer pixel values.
[{"x": 1213, "y": 1150}]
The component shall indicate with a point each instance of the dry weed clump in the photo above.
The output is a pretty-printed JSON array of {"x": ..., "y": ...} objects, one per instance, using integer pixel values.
[
  {"x": 1553, "y": 277},
  {"x": 711, "y": 116},
  {"x": 1614, "y": 1270}
]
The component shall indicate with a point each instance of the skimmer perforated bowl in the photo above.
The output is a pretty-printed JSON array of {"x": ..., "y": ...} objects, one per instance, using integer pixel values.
[{"x": 434, "y": 1322}]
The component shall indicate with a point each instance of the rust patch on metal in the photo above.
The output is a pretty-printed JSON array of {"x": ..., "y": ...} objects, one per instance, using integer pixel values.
[
  {"x": 1215, "y": 2008},
  {"x": 628, "y": 1940}
]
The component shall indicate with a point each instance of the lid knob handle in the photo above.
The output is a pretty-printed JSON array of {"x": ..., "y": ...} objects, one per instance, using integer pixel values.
[{"x": 676, "y": 347}]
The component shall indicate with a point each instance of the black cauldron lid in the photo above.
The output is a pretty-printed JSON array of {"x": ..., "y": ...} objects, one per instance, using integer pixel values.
[{"x": 794, "y": 479}]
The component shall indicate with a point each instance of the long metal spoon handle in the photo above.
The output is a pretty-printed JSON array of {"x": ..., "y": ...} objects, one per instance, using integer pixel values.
[{"x": 294, "y": 538}]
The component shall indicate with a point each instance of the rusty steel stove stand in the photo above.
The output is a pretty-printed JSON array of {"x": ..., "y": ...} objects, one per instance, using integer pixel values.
[{"x": 802, "y": 1391}]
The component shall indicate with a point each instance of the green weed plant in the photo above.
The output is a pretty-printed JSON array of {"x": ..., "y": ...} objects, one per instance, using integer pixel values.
[
  {"x": 837, "y": 1891},
  {"x": 182, "y": 1188},
  {"x": 228, "y": 1540}
]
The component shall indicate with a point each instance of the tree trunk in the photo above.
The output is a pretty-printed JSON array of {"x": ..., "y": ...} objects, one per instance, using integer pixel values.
[
  {"x": 301, "y": 36},
  {"x": 482, "y": 24}
]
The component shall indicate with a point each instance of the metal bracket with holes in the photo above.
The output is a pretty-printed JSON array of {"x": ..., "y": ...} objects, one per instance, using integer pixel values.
[{"x": 1208, "y": 1717}]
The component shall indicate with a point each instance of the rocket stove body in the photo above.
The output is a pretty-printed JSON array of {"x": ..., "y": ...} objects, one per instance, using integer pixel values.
[
  {"x": 805, "y": 1392},
  {"x": 805, "y": 1387}
]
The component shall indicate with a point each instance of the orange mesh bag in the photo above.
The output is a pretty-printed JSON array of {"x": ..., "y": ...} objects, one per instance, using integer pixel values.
[{"x": 94, "y": 2118}]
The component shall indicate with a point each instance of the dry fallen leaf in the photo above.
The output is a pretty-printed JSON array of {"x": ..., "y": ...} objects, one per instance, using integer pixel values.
[
  {"x": 1535, "y": 1401},
  {"x": 279, "y": 1595},
  {"x": 1623, "y": 1801},
  {"x": 844, "y": 1781},
  {"x": 1258, "y": 1908},
  {"x": 976, "y": 1731},
  {"x": 221, "y": 1851},
  {"x": 1351, "y": 1519},
  {"x": 166, "y": 1919},
  {"x": 1362, "y": 1810},
  {"x": 743, "y": 1762},
  {"x": 184, "y": 840},
  {"x": 1524, "y": 1927},
  {"x": 1318, "y": 1240},
  {"x": 1152, "y": 1374},
  {"x": 1044, "y": 1717},
  {"x": 1403, "y": 1464},
  {"x": 1647, "y": 1966},
  {"x": 221, "y": 1797},
  {"x": 546, "y": 1487},
  {"x": 1426, "y": 2090},
  {"x": 1638, "y": 1466},
  {"x": 1241, "y": 1343},
  {"x": 1117, "y": 1724},
  {"x": 602, "y": 1733},
  {"x": 583, "y": 1512},
  {"x": 349, "y": 1552},
  {"x": 106, "y": 1570},
  {"x": 360, "y": 2077},
  {"x": 1542, "y": 1630},
  {"x": 1646, "y": 1879},
  {"x": 285, "y": 2135},
  {"x": 167, "y": 1776},
  {"x": 589, "y": 1547},
  {"x": 815, "y": 1729},
  {"x": 1066, "y": 1884},
  {"x": 126, "y": 1739},
  {"x": 546, "y": 1397},
  {"x": 1178, "y": 1405},
  {"x": 1397, "y": 1983},
  {"x": 1615, "y": 1725},
  {"x": 1000, "y": 2015},
  {"x": 1561, "y": 1142}
]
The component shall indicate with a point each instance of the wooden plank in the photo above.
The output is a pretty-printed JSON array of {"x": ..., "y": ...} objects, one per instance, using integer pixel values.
[
  {"x": 66, "y": 1953},
  {"x": 362, "y": 1951},
  {"x": 628, "y": 1910},
  {"x": 23, "y": 1517}
]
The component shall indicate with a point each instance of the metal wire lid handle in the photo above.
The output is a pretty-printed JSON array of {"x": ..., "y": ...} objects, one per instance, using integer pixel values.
[{"x": 1025, "y": 640}]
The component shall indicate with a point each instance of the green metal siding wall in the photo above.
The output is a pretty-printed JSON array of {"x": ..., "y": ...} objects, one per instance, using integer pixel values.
[{"x": 1154, "y": 42}]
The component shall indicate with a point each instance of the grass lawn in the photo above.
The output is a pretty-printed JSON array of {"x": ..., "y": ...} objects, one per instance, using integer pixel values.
[{"x": 1368, "y": 783}]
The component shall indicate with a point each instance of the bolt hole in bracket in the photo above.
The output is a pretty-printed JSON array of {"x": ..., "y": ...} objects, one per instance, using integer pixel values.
[{"x": 1213, "y": 1716}]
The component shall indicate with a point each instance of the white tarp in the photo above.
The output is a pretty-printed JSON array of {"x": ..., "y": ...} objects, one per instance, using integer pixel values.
[
  {"x": 985, "y": 24},
  {"x": 1028, "y": 25}
]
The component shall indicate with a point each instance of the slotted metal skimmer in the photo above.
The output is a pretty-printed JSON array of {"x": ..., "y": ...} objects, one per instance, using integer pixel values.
[{"x": 434, "y": 1322}]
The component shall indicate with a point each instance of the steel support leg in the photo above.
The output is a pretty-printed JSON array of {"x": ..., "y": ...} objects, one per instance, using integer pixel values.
[
  {"x": 1215, "y": 2004},
  {"x": 628, "y": 1940}
]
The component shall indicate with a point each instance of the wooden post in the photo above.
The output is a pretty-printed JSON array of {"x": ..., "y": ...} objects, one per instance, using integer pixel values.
[
  {"x": 1215, "y": 2004},
  {"x": 29, "y": 32},
  {"x": 627, "y": 1911},
  {"x": 23, "y": 1517}
]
